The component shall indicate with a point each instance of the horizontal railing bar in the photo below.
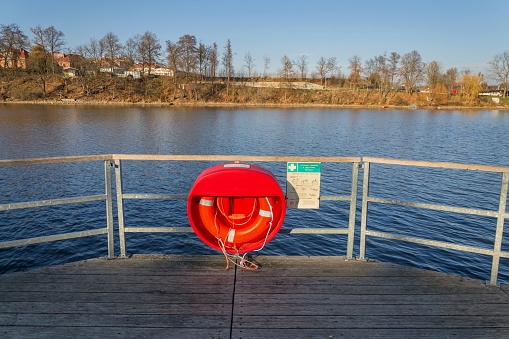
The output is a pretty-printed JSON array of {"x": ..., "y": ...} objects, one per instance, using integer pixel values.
[
  {"x": 159, "y": 229},
  {"x": 54, "y": 160},
  {"x": 185, "y": 196},
  {"x": 434, "y": 207},
  {"x": 50, "y": 238},
  {"x": 335, "y": 198},
  {"x": 434, "y": 243},
  {"x": 33, "y": 161},
  {"x": 282, "y": 230},
  {"x": 153, "y": 196},
  {"x": 52, "y": 202},
  {"x": 232, "y": 158},
  {"x": 436, "y": 164},
  {"x": 302, "y": 230}
]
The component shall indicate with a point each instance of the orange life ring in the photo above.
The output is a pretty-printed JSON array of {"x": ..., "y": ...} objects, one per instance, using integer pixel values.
[
  {"x": 233, "y": 235},
  {"x": 236, "y": 208}
]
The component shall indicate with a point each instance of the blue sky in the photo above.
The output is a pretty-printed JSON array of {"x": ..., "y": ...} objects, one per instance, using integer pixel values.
[{"x": 457, "y": 33}]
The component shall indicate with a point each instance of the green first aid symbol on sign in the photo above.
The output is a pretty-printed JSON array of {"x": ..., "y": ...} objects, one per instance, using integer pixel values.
[{"x": 304, "y": 167}]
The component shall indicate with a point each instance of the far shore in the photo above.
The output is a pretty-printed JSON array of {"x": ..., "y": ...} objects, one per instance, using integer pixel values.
[{"x": 226, "y": 104}]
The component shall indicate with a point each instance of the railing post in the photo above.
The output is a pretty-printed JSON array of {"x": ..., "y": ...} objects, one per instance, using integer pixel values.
[
  {"x": 109, "y": 208},
  {"x": 353, "y": 210},
  {"x": 497, "y": 245},
  {"x": 364, "y": 213},
  {"x": 120, "y": 207}
]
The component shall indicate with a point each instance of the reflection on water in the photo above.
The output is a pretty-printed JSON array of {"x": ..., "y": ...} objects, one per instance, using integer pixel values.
[{"x": 30, "y": 131}]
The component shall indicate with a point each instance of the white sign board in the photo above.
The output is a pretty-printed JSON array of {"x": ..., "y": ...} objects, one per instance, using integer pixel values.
[{"x": 303, "y": 184}]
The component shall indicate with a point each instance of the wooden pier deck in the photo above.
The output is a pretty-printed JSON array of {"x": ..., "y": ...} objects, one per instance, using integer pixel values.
[{"x": 150, "y": 296}]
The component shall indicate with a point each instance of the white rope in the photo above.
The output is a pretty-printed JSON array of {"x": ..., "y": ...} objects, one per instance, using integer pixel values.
[{"x": 270, "y": 226}]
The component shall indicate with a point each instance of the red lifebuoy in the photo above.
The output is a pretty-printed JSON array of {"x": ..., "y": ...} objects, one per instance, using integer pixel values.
[
  {"x": 236, "y": 208},
  {"x": 231, "y": 232}
]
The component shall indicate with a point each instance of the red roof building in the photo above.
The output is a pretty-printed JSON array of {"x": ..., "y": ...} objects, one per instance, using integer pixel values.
[{"x": 14, "y": 58}]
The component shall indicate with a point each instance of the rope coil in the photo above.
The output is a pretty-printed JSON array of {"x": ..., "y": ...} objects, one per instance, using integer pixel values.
[{"x": 244, "y": 263}]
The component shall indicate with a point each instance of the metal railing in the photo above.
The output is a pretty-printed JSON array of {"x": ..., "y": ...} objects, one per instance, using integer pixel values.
[
  {"x": 352, "y": 198},
  {"x": 107, "y": 197},
  {"x": 116, "y": 160},
  {"x": 500, "y": 214}
]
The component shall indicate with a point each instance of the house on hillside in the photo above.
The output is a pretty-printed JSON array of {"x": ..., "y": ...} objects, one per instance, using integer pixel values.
[
  {"x": 67, "y": 60},
  {"x": 154, "y": 69},
  {"x": 114, "y": 70},
  {"x": 16, "y": 58}
]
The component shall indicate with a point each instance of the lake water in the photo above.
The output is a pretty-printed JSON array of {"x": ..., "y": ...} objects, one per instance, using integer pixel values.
[{"x": 33, "y": 131}]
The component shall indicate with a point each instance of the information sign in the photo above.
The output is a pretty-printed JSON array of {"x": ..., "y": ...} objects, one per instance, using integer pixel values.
[{"x": 303, "y": 184}]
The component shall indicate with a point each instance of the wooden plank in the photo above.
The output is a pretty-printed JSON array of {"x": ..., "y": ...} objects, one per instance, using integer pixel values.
[
  {"x": 123, "y": 332},
  {"x": 415, "y": 281},
  {"x": 101, "y": 287},
  {"x": 392, "y": 333},
  {"x": 142, "y": 265},
  {"x": 128, "y": 320},
  {"x": 120, "y": 305},
  {"x": 363, "y": 299},
  {"x": 329, "y": 266},
  {"x": 155, "y": 278},
  {"x": 362, "y": 289},
  {"x": 367, "y": 309},
  {"x": 127, "y": 298},
  {"x": 374, "y": 322}
]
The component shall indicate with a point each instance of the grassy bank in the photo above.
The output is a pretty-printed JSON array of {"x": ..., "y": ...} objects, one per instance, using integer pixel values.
[{"x": 101, "y": 89}]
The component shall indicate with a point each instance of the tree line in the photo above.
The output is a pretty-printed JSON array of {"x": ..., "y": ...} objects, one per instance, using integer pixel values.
[{"x": 192, "y": 61}]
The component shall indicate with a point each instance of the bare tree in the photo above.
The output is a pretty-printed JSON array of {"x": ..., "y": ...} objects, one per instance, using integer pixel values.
[
  {"x": 434, "y": 74},
  {"x": 149, "y": 50},
  {"x": 302, "y": 65},
  {"x": 228, "y": 64},
  {"x": 499, "y": 69},
  {"x": 93, "y": 51},
  {"x": 203, "y": 59},
  {"x": 12, "y": 41},
  {"x": 188, "y": 54},
  {"x": 287, "y": 71},
  {"x": 374, "y": 69},
  {"x": 450, "y": 77},
  {"x": 355, "y": 71},
  {"x": 332, "y": 67},
  {"x": 392, "y": 69},
  {"x": 249, "y": 63},
  {"x": 129, "y": 53},
  {"x": 172, "y": 51},
  {"x": 324, "y": 67},
  {"x": 112, "y": 48},
  {"x": 412, "y": 70},
  {"x": 266, "y": 66},
  {"x": 51, "y": 39},
  {"x": 214, "y": 60}
]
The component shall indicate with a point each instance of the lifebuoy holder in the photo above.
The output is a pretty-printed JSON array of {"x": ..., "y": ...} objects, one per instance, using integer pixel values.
[{"x": 236, "y": 208}]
